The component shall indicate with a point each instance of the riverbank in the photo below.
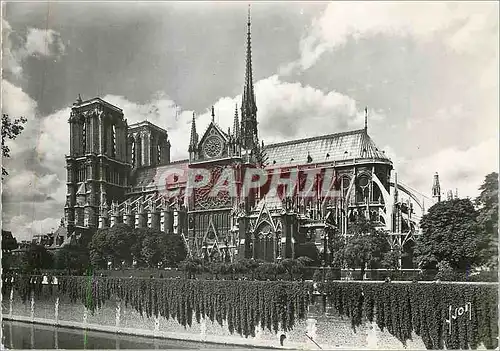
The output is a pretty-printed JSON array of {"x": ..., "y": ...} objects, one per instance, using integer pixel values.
[
  {"x": 319, "y": 330},
  {"x": 295, "y": 315}
]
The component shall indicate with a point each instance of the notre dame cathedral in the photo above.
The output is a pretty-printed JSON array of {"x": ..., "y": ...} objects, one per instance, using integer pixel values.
[{"x": 119, "y": 173}]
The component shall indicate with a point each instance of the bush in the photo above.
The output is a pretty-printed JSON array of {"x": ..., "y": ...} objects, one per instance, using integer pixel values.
[
  {"x": 333, "y": 274},
  {"x": 309, "y": 250},
  {"x": 446, "y": 272},
  {"x": 318, "y": 275}
]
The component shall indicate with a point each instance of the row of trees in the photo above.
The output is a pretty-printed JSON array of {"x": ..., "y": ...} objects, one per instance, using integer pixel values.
[
  {"x": 121, "y": 245},
  {"x": 139, "y": 247}
]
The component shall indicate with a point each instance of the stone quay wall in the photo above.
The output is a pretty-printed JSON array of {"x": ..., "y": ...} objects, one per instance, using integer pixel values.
[{"x": 319, "y": 330}]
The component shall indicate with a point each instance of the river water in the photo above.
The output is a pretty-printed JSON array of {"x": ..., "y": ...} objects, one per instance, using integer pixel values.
[{"x": 19, "y": 335}]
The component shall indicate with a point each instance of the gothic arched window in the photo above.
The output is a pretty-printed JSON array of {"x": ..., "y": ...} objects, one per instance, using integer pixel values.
[
  {"x": 133, "y": 152},
  {"x": 345, "y": 186},
  {"x": 158, "y": 153},
  {"x": 113, "y": 141},
  {"x": 362, "y": 188},
  {"x": 84, "y": 137}
]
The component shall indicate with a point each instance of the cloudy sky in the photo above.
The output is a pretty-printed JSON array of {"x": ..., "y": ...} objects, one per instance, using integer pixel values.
[{"x": 428, "y": 73}]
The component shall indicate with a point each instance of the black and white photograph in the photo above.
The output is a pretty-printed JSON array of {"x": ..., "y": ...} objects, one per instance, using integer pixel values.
[{"x": 250, "y": 175}]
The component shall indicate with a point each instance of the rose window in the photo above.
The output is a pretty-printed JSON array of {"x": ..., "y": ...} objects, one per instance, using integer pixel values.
[{"x": 213, "y": 146}]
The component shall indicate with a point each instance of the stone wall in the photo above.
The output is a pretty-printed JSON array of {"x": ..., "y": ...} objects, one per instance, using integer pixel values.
[{"x": 327, "y": 330}]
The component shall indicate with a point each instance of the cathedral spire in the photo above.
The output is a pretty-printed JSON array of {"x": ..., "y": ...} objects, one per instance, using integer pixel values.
[
  {"x": 213, "y": 114},
  {"x": 236, "y": 124},
  {"x": 366, "y": 119},
  {"x": 248, "y": 105},
  {"x": 194, "y": 136}
]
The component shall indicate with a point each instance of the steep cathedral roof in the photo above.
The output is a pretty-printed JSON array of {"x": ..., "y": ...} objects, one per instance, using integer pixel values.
[
  {"x": 336, "y": 147},
  {"x": 157, "y": 176}
]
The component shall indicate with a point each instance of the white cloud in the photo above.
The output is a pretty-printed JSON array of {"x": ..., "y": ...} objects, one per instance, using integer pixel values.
[
  {"x": 44, "y": 42},
  {"x": 23, "y": 227},
  {"x": 462, "y": 169},
  {"x": 289, "y": 111},
  {"x": 464, "y": 27},
  {"x": 9, "y": 61},
  {"x": 35, "y": 188},
  {"x": 286, "y": 111},
  {"x": 16, "y": 103},
  {"x": 38, "y": 42}
]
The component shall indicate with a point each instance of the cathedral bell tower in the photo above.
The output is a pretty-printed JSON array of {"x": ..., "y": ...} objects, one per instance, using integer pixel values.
[{"x": 97, "y": 167}]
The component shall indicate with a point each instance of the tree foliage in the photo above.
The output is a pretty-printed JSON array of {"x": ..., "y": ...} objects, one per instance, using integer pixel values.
[
  {"x": 191, "y": 266},
  {"x": 9, "y": 243},
  {"x": 72, "y": 257},
  {"x": 450, "y": 232},
  {"x": 37, "y": 258},
  {"x": 10, "y": 130},
  {"x": 147, "y": 247},
  {"x": 159, "y": 247},
  {"x": 366, "y": 245},
  {"x": 336, "y": 245},
  {"x": 487, "y": 203},
  {"x": 309, "y": 250},
  {"x": 112, "y": 244}
]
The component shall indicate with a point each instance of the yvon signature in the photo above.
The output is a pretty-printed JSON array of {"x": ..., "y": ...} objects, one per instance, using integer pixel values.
[{"x": 459, "y": 311}]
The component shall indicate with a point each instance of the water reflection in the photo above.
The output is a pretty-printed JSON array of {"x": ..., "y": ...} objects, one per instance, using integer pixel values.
[{"x": 19, "y": 335}]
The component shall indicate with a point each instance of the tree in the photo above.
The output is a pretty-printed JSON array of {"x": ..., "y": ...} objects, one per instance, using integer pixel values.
[
  {"x": 169, "y": 249},
  {"x": 487, "y": 203},
  {"x": 173, "y": 250},
  {"x": 336, "y": 245},
  {"x": 217, "y": 268},
  {"x": 310, "y": 250},
  {"x": 391, "y": 259},
  {"x": 292, "y": 266},
  {"x": 146, "y": 246},
  {"x": 73, "y": 257},
  {"x": 191, "y": 266},
  {"x": 37, "y": 258},
  {"x": 9, "y": 243},
  {"x": 366, "y": 245},
  {"x": 10, "y": 130},
  {"x": 450, "y": 232},
  {"x": 113, "y": 244},
  {"x": 151, "y": 251}
]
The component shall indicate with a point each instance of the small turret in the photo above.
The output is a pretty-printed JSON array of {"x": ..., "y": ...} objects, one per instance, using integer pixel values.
[
  {"x": 193, "y": 141},
  {"x": 436, "y": 188},
  {"x": 450, "y": 195},
  {"x": 78, "y": 100},
  {"x": 236, "y": 125}
]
